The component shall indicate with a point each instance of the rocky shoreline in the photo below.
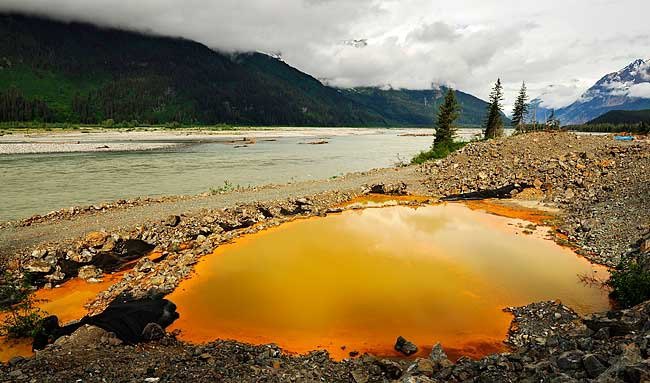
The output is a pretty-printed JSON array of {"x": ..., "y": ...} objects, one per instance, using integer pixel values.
[{"x": 601, "y": 186}]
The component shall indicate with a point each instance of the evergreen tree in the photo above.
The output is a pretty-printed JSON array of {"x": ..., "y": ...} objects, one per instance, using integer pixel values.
[
  {"x": 447, "y": 115},
  {"x": 520, "y": 110},
  {"x": 493, "y": 123}
]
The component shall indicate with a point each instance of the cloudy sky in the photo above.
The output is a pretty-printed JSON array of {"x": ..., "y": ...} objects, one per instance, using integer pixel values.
[{"x": 559, "y": 47}]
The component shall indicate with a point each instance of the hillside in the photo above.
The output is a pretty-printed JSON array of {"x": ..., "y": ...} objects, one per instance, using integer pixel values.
[
  {"x": 80, "y": 73},
  {"x": 417, "y": 107},
  {"x": 623, "y": 117},
  {"x": 75, "y": 72}
]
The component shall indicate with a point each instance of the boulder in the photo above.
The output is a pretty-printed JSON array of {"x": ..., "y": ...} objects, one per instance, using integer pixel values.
[
  {"x": 394, "y": 189},
  {"x": 593, "y": 365},
  {"x": 38, "y": 266},
  {"x": 89, "y": 272},
  {"x": 437, "y": 354},
  {"x": 153, "y": 332},
  {"x": 570, "y": 360},
  {"x": 95, "y": 239},
  {"x": 390, "y": 369},
  {"x": 172, "y": 221},
  {"x": 405, "y": 347},
  {"x": 56, "y": 277}
]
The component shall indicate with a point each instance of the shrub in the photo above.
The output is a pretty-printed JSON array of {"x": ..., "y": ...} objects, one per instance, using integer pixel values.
[
  {"x": 438, "y": 151},
  {"x": 630, "y": 284},
  {"x": 108, "y": 123},
  {"x": 22, "y": 319}
]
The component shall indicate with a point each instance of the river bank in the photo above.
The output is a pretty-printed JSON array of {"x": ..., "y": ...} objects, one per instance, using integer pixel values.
[{"x": 598, "y": 184}]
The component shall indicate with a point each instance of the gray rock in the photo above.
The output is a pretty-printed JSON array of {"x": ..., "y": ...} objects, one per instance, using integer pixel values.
[
  {"x": 38, "y": 266},
  {"x": 438, "y": 355},
  {"x": 405, "y": 347},
  {"x": 16, "y": 360},
  {"x": 153, "y": 332},
  {"x": 391, "y": 369},
  {"x": 172, "y": 221},
  {"x": 89, "y": 272},
  {"x": 593, "y": 365},
  {"x": 570, "y": 360}
]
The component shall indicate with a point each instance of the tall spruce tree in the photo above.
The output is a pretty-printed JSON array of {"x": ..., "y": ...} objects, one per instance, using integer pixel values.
[
  {"x": 494, "y": 123},
  {"x": 520, "y": 110},
  {"x": 447, "y": 115}
]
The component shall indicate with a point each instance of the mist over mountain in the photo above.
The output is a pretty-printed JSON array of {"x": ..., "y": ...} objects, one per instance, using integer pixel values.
[
  {"x": 626, "y": 89},
  {"x": 75, "y": 72}
]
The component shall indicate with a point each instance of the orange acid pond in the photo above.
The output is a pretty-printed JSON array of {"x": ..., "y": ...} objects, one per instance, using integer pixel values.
[
  {"x": 356, "y": 281},
  {"x": 67, "y": 302}
]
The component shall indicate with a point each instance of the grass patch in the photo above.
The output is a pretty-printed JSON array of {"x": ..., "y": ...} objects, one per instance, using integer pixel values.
[
  {"x": 225, "y": 188},
  {"x": 437, "y": 152}
]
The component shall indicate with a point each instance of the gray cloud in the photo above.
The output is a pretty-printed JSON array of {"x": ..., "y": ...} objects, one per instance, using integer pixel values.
[{"x": 411, "y": 43}]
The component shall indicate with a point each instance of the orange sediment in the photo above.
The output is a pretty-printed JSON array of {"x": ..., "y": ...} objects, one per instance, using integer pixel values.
[
  {"x": 357, "y": 280},
  {"x": 66, "y": 302}
]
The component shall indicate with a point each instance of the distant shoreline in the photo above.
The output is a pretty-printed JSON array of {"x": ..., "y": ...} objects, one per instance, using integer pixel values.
[{"x": 125, "y": 140}]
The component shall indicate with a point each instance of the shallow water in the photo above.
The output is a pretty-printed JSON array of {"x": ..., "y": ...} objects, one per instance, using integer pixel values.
[
  {"x": 39, "y": 183},
  {"x": 357, "y": 280},
  {"x": 66, "y": 302}
]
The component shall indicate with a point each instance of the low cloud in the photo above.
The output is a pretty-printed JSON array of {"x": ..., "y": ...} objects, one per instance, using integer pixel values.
[
  {"x": 640, "y": 90},
  {"x": 410, "y": 43}
]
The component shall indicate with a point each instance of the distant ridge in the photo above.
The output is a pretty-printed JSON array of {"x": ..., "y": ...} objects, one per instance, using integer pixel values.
[{"x": 623, "y": 117}]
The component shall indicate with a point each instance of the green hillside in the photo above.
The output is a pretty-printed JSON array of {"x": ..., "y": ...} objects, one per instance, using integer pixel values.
[
  {"x": 417, "y": 107},
  {"x": 72, "y": 72},
  {"x": 80, "y": 73}
]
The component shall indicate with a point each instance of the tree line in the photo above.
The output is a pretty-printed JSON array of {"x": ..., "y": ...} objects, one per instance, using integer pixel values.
[
  {"x": 15, "y": 107},
  {"x": 493, "y": 126}
]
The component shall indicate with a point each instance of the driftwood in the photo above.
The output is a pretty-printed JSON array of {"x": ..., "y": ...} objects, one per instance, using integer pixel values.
[{"x": 501, "y": 193}]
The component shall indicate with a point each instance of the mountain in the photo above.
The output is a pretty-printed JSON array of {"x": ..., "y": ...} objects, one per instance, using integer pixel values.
[
  {"x": 627, "y": 89},
  {"x": 623, "y": 117},
  {"x": 417, "y": 107},
  {"x": 537, "y": 112},
  {"x": 80, "y": 73}
]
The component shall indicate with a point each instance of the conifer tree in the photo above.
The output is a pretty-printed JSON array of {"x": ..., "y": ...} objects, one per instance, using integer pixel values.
[
  {"x": 447, "y": 115},
  {"x": 493, "y": 122},
  {"x": 520, "y": 110}
]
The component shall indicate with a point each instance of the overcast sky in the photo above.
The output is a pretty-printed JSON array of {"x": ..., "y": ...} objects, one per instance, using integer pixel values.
[{"x": 559, "y": 47}]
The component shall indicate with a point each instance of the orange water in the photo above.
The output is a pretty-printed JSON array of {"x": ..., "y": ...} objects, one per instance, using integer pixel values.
[
  {"x": 67, "y": 302},
  {"x": 357, "y": 280}
]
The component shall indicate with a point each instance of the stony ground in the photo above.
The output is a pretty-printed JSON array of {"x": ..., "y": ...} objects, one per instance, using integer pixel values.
[{"x": 602, "y": 187}]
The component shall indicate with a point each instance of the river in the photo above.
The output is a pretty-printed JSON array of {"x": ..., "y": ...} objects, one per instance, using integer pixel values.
[{"x": 39, "y": 183}]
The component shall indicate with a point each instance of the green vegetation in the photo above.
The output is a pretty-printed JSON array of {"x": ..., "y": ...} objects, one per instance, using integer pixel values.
[
  {"x": 225, "y": 188},
  {"x": 630, "y": 284},
  {"x": 131, "y": 79},
  {"x": 493, "y": 127},
  {"x": 520, "y": 110},
  {"x": 107, "y": 74},
  {"x": 23, "y": 319},
  {"x": 405, "y": 107},
  {"x": 447, "y": 116},
  {"x": 437, "y": 152},
  {"x": 635, "y": 128}
]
